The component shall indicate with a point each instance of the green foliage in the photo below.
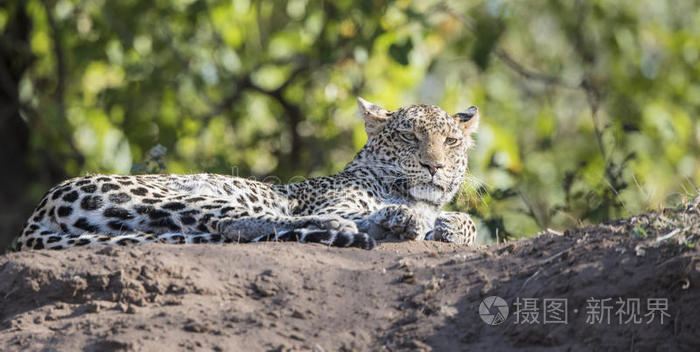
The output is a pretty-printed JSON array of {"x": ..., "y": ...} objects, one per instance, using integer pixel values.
[
  {"x": 11, "y": 247},
  {"x": 589, "y": 107},
  {"x": 639, "y": 232},
  {"x": 154, "y": 162}
]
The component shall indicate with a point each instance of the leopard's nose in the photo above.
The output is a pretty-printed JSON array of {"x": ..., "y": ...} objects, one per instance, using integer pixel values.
[{"x": 432, "y": 166}]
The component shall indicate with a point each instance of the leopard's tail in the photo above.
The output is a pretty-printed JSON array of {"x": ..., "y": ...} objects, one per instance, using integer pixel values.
[
  {"x": 332, "y": 238},
  {"x": 43, "y": 238}
]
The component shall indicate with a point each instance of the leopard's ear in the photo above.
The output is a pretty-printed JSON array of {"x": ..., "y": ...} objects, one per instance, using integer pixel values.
[
  {"x": 374, "y": 115},
  {"x": 468, "y": 120}
]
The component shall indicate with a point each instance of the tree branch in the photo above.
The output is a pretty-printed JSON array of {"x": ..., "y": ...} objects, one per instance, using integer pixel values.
[
  {"x": 527, "y": 73},
  {"x": 292, "y": 112},
  {"x": 60, "y": 61},
  {"x": 60, "y": 77},
  {"x": 503, "y": 55}
]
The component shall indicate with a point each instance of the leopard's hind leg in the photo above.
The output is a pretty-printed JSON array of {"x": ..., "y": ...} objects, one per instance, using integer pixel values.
[{"x": 326, "y": 229}]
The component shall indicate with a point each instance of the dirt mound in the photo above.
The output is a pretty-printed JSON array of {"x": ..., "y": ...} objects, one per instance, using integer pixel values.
[{"x": 402, "y": 296}]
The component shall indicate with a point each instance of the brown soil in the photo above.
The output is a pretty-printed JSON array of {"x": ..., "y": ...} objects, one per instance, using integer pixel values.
[{"x": 401, "y": 296}]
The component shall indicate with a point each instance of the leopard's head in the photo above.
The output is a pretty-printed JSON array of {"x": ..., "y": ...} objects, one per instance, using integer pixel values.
[{"x": 422, "y": 144}]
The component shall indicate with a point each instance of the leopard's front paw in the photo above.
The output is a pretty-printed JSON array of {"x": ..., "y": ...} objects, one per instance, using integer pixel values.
[
  {"x": 454, "y": 227},
  {"x": 403, "y": 222}
]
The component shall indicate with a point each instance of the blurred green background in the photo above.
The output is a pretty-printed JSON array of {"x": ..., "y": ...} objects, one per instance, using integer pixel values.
[{"x": 589, "y": 108}]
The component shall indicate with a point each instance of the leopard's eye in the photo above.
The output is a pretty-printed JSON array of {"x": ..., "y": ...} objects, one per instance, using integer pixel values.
[
  {"x": 451, "y": 141},
  {"x": 408, "y": 137}
]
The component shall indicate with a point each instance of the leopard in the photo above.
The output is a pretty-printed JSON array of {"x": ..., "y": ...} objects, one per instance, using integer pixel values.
[{"x": 411, "y": 166}]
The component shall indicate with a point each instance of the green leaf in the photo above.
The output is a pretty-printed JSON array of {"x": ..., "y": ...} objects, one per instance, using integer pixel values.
[
  {"x": 488, "y": 31},
  {"x": 399, "y": 51}
]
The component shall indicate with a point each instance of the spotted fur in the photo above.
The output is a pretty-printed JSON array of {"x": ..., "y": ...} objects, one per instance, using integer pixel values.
[{"x": 413, "y": 163}]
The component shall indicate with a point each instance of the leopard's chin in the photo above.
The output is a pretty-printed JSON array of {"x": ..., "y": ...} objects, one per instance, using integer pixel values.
[{"x": 428, "y": 192}]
